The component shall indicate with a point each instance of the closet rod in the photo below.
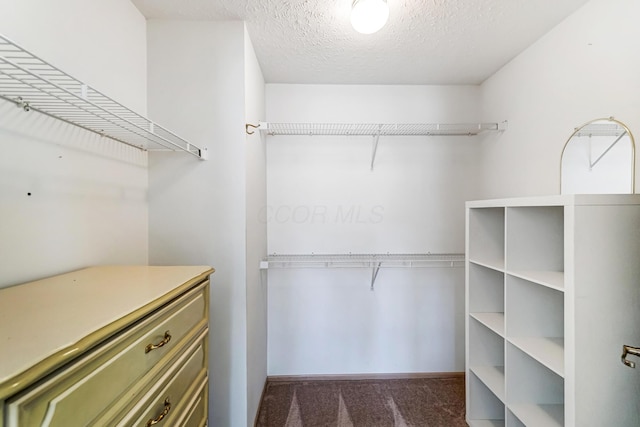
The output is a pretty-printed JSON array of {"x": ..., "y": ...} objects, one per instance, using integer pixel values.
[
  {"x": 373, "y": 261},
  {"x": 352, "y": 260},
  {"x": 381, "y": 129}
]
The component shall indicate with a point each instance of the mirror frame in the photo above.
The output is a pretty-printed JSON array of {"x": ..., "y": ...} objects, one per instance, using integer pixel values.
[{"x": 633, "y": 149}]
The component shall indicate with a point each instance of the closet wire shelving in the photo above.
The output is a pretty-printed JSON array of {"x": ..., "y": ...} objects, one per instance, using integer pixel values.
[
  {"x": 379, "y": 129},
  {"x": 376, "y": 130},
  {"x": 601, "y": 129},
  {"x": 373, "y": 261},
  {"x": 34, "y": 84},
  {"x": 613, "y": 130}
]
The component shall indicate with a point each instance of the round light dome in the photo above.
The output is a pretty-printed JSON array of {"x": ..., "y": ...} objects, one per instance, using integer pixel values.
[{"x": 369, "y": 16}]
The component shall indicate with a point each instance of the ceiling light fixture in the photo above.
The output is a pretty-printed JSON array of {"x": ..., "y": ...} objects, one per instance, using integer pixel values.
[{"x": 369, "y": 16}]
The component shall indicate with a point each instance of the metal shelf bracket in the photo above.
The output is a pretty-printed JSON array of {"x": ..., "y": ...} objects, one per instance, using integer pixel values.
[
  {"x": 249, "y": 125},
  {"x": 592, "y": 164},
  {"x": 374, "y": 274},
  {"x": 21, "y": 103},
  {"x": 376, "y": 138}
]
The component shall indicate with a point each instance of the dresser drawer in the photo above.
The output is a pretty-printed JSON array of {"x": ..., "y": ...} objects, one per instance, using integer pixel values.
[
  {"x": 169, "y": 400},
  {"x": 120, "y": 367},
  {"x": 198, "y": 412}
]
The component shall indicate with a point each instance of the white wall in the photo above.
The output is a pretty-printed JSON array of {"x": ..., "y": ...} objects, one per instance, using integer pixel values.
[
  {"x": 88, "y": 194},
  {"x": 256, "y": 199},
  {"x": 102, "y": 43},
  {"x": 323, "y": 198},
  {"x": 201, "y": 212},
  {"x": 585, "y": 68}
]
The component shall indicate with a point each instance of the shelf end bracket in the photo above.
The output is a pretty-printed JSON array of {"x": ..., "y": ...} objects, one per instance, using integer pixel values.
[
  {"x": 252, "y": 126},
  {"x": 374, "y": 274},
  {"x": 21, "y": 103},
  {"x": 376, "y": 137},
  {"x": 592, "y": 164},
  {"x": 203, "y": 153}
]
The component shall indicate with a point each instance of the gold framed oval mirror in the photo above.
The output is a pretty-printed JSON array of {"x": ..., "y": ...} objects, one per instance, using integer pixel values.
[{"x": 599, "y": 158}]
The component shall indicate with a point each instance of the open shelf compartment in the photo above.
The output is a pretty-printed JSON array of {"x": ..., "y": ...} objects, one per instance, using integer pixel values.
[
  {"x": 486, "y": 357},
  {"x": 535, "y": 394},
  {"x": 486, "y": 297},
  {"x": 485, "y": 409},
  {"x": 535, "y": 244},
  {"x": 535, "y": 321},
  {"x": 486, "y": 243}
]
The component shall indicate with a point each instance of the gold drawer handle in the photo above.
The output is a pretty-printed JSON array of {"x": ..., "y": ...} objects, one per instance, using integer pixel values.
[
  {"x": 626, "y": 350},
  {"x": 165, "y": 340},
  {"x": 167, "y": 408}
]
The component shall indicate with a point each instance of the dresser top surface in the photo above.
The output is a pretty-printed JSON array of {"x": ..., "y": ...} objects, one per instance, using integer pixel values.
[{"x": 61, "y": 316}]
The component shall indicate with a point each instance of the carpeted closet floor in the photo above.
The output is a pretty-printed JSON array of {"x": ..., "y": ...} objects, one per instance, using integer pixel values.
[{"x": 419, "y": 402}]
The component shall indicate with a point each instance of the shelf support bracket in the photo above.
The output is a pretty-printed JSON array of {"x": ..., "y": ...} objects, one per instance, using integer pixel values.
[
  {"x": 21, "y": 103},
  {"x": 591, "y": 165},
  {"x": 376, "y": 137},
  {"x": 249, "y": 125},
  {"x": 374, "y": 274}
]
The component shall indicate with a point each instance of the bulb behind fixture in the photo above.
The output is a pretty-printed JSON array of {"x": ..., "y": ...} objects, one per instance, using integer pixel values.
[{"x": 369, "y": 16}]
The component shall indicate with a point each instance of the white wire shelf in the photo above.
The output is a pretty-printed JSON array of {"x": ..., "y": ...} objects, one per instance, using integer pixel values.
[
  {"x": 34, "y": 84},
  {"x": 376, "y": 130},
  {"x": 601, "y": 129},
  {"x": 362, "y": 260},
  {"x": 372, "y": 129},
  {"x": 373, "y": 261}
]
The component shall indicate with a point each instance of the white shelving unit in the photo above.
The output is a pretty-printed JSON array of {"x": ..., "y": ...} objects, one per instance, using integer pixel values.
[
  {"x": 373, "y": 261},
  {"x": 34, "y": 84},
  {"x": 379, "y": 129},
  {"x": 601, "y": 128},
  {"x": 376, "y": 130},
  {"x": 362, "y": 260},
  {"x": 552, "y": 285}
]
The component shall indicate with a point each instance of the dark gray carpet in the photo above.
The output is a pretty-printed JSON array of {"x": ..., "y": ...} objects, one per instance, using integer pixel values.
[{"x": 416, "y": 402}]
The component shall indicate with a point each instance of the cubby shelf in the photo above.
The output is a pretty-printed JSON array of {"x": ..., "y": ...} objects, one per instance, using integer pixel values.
[
  {"x": 493, "y": 321},
  {"x": 494, "y": 264},
  {"x": 486, "y": 423},
  {"x": 551, "y": 279},
  {"x": 558, "y": 336},
  {"x": 539, "y": 415},
  {"x": 548, "y": 351},
  {"x": 492, "y": 377},
  {"x": 487, "y": 409}
]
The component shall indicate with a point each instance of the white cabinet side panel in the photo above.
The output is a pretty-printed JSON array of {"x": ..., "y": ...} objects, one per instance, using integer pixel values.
[{"x": 607, "y": 298}]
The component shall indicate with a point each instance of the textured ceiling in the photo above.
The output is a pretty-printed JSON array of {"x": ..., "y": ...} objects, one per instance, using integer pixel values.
[{"x": 424, "y": 42}]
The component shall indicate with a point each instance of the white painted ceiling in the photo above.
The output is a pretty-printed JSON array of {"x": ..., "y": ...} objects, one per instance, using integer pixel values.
[{"x": 424, "y": 42}]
